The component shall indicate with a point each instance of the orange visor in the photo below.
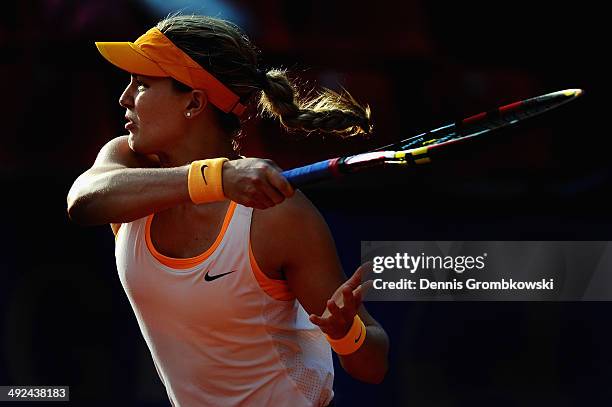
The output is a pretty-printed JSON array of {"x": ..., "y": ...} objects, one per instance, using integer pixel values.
[{"x": 153, "y": 54}]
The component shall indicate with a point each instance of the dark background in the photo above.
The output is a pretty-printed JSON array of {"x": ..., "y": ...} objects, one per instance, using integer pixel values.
[{"x": 64, "y": 317}]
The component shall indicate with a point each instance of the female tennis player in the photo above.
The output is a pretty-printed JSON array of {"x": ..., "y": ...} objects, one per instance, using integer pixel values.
[{"x": 238, "y": 306}]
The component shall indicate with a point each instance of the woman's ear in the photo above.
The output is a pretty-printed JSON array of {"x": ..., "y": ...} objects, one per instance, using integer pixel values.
[{"x": 197, "y": 103}]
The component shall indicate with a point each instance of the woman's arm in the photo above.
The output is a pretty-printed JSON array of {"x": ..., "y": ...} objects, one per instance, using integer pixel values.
[
  {"x": 122, "y": 186},
  {"x": 369, "y": 362},
  {"x": 314, "y": 274}
]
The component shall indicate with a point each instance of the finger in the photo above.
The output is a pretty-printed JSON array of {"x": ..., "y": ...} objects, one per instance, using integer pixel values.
[
  {"x": 357, "y": 276},
  {"x": 272, "y": 164},
  {"x": 272, "y": 193},
  {"x": 349, "y": 301},
  {"x": 279, "y": 182},
  {"x": 360, "y": 292},
  {"x": 252, "y": 203},
  {"x": 335, "y": 311},
  {"x": 257, "y": 204},
  {"x": 365, "y": 269},
  {"x": 318, "y": 321},
  {"x": 263, "y": 200}
]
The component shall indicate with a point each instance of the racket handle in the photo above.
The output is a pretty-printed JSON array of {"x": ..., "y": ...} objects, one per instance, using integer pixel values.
[{"x": 311, "y": 173}]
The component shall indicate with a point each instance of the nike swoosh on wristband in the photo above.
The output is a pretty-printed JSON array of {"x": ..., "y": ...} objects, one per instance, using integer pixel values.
[
  {"x": 208, "y": 277},
  {"x": 202, "y": 170},
  {"x": 360, "y": 332}
]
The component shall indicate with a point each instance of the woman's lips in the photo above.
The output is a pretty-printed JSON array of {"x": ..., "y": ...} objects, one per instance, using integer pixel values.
[{"x": 130, "y": 125}]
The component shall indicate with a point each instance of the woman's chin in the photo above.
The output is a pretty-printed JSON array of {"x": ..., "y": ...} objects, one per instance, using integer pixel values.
[
  {"x": 131, "y": 141},
  {"x": 137, "y": 146}
]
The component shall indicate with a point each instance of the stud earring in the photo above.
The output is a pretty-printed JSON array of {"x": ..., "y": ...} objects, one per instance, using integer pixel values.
[{"x": 188, "y": 114}]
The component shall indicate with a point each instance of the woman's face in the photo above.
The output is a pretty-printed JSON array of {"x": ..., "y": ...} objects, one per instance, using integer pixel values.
[{"x": 155, "y": 114}]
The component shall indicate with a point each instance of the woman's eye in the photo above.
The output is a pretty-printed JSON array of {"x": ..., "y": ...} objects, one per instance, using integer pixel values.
[{"x": 140, "y": 86}]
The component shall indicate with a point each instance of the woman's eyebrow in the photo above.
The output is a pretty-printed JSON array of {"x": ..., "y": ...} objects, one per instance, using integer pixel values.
[{"x": 141, "y": 78}]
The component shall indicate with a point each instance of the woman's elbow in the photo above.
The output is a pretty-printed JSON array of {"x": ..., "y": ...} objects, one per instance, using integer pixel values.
[
  {"x": 83, "y": 205},
  {"x": 372, "y": 373},
  {"x": 376, "y": 376},
  {"x": 77, "y": 209},
  {"x": 86, "y": 200},
  {"x": 381, "y": 374}
]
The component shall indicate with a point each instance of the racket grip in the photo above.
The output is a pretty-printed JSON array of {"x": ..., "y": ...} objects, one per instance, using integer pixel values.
[{"x": 312, "y": 173}]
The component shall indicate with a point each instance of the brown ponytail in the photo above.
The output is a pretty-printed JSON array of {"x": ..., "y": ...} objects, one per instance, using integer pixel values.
[
  {"x": 224, "y": 50},
  {"x": 328, "y": 111}
]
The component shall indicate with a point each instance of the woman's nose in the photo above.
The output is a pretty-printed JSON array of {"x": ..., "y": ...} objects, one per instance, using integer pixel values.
[{"x": 126, "y": 100}]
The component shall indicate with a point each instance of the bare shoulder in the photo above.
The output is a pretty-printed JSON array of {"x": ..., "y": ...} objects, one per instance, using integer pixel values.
[
  {"x": 117, "y": 153},
  {"x": 293, "y": 213},
  {"x": 288, "y": 232}
]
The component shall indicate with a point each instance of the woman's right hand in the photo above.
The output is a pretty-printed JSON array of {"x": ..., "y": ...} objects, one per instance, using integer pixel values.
[{"x": 255, "y": 182}]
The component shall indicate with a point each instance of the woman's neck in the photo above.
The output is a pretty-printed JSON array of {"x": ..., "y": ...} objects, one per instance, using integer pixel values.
[{"x": 199, "y": 143}]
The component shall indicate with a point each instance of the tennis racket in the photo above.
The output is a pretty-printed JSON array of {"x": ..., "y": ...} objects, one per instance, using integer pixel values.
[{"x": 421, "y": 148}]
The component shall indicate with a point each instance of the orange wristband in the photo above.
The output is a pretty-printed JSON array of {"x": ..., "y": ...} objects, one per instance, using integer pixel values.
[
  {"x": 352, "y": 340},
  {"x": 205, "y": 180}
]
